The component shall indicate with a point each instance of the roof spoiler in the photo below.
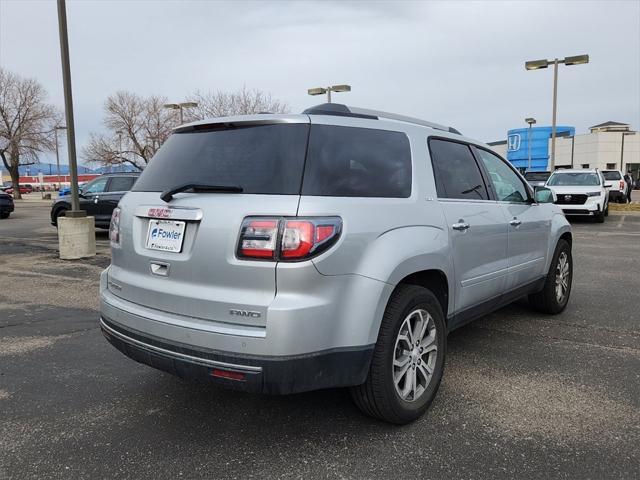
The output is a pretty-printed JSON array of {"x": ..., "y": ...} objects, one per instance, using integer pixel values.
[{"x": 341, "y": 110}]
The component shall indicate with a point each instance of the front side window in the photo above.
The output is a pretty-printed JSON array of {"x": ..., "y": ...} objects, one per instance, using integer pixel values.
[
  {"x": 96, "y": 186},
  {"x": 456, "y": 172},
  {"x": 507, "y": 185},
  {"x": 357, "y": 162}
]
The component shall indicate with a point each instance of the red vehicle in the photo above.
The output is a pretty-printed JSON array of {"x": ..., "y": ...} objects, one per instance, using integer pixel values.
[{"x": 23, "y": 189}]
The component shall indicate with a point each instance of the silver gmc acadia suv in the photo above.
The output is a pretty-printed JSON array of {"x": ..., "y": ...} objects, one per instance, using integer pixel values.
[{"x": 335, "y": 248}]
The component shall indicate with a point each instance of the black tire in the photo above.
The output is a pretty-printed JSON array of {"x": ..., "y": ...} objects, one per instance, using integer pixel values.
[
  {"x": 598, "y": 217},
  {"x": 606, "y": 210},
  {"x": 546, "y": 300},
  {"x": 377, "y": 397},
  {"x": 58, "y": 213}
]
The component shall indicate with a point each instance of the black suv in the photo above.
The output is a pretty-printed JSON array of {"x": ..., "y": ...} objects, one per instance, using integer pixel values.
[
  {"x": 6, "y": 204},
  {"x": 98, "y": 197}
]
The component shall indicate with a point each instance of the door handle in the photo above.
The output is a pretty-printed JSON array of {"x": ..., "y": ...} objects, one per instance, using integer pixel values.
[
  {"x": 515, "y": 222},
  {"x": 460, "y": 226},
  {"x": 95, "y": 199}
]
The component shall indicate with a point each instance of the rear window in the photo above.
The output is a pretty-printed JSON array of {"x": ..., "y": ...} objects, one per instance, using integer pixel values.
[
  {"x": 357, "y": 162},
  {"x": 262, "y": 159},
  {"x": 614, "y": 175},
  {"x": 537, "y": 176},
  {"x": 121, "y": 184}
]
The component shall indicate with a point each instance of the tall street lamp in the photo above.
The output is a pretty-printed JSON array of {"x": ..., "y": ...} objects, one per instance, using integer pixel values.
[
  {"x": 328, "y": 90},
  {"x": 181, "y": 107},
  {"x": 68, "y": 109},
  {"x": 538, "y": 64},
  {"x": 531, "y": 121},
  {"x": 61, "y": 127}
]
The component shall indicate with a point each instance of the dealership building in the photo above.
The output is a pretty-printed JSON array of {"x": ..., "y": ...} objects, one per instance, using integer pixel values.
[{"x": 608, "y": 146}]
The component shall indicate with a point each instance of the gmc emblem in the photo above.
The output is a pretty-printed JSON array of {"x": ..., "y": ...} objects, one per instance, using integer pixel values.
[
  {"x": 244, "y": 313},
  {"x": 159, "y": 212}
]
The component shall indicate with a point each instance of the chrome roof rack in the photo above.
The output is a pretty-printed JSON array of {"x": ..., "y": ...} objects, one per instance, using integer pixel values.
[{"x": 345, "y": 111}]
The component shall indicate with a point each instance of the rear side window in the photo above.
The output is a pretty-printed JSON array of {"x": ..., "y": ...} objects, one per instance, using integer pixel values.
[
  {"x": 456, "y": 172},
  {"x": 121, "y": 184},
  {"x": 262, "y": 159},
  {"x": 357, "y": 162},
  {"x": 612, "y": 175}
]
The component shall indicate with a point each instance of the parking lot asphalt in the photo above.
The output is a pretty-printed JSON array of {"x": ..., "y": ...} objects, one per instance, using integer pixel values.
[{"x": 524, "y": 395}]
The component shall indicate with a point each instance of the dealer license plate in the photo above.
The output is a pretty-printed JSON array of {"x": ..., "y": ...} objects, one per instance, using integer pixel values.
[{"x": 165, "y": 235}]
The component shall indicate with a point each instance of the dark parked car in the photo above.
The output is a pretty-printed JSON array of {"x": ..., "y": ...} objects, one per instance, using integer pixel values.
[
  {"x": 98, "y": 197},
  {"x": 537, "y": 179},
  {"x": 6, "y": 205}
]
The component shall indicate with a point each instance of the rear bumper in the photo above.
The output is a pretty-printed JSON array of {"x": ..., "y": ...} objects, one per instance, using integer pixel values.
[
  {"x": 616, "y": 195},
  {"x": 319, "y": 332},
  {"x": 272, "y": 375},
  {"x": 6, "y": 207}
]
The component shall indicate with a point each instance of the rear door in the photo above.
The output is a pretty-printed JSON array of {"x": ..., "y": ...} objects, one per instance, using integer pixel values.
[
  {"x": 202, "y": 277},
  {"x": 116, "y": 188},
  {"x": 529, "y": 223},
  {"x": 477, "y": 225}
]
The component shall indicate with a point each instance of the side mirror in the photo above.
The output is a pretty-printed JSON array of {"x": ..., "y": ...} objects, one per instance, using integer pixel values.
[{"x": 545, "y": 195}]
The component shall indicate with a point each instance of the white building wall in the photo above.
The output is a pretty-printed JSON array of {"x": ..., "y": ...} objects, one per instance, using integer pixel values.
[
  {"x": 500, "y": 149},
  {"x": 598, "y": 150}
]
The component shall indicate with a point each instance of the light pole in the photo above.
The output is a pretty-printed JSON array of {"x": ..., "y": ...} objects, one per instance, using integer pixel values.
[
  {"x": 68, "y": 108},
  {"x": 62, "y": 127},
  {"x": 538, "y": 64},
  {"x": 328, "y": 90},
  {"x": 180, "y": 106},
  {"x": 531, "y": 121}
]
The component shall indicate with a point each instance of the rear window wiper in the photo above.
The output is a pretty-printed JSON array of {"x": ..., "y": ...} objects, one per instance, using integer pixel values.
[{"x": 167, "y": 195}]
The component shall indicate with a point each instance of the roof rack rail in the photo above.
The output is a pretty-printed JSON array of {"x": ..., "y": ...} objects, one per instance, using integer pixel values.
[{"x": 345, "y": 111}]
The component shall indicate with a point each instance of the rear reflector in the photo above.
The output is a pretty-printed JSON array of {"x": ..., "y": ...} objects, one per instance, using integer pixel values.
[{"x": 228, "y": 374}]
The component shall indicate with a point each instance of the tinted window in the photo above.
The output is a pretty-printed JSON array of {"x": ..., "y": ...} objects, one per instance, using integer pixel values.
[
  {"x": 457, "y": 174},
  {"x": 357, "y": 162},
  {"x": 121, "y": 184},
  {"x": 537, "y": 176},
  {"x": 612, "y": 175},
  {"x": 506, "y": 184},
  {"x": 96, "y": 186},
  {"x": 266, "y": 159}
]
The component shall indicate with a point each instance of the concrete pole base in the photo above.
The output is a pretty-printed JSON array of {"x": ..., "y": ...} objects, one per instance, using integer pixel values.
[{"x": 76, "y": 237}]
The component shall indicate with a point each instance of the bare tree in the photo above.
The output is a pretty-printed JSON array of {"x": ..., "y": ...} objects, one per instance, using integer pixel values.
[
  {"x": 136, "y": 128},
  {"x": 26, "y": 123},
  {"x": 242, "y": 102}
]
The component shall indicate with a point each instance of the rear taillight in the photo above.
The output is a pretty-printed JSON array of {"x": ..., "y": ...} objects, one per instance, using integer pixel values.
[
  {"x": 621, "y": 184},
  {"x": 114, "y": 228},
  {"x": 258, "y": 238},
  {"x": 287, "y": 239}
]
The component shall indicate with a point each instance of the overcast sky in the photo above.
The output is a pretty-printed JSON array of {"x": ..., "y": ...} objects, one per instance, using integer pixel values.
[{"x": 459, "y": 63}]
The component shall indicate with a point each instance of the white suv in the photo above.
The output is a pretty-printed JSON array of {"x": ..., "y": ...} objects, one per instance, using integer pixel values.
[
  {"x": 618, "y": 187},
  {"x": 580, "y": 192}
]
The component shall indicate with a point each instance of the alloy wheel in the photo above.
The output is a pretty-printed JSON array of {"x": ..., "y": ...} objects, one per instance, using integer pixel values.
[
  {"x": 562, "y": 277},
  {"x": 415, "y": 355}
]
